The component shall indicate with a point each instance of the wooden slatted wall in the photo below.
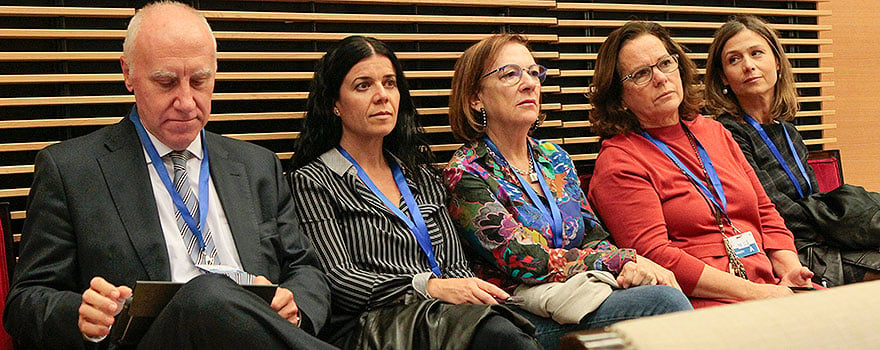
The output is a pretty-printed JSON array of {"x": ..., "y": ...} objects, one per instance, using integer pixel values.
[{"x": 60, "y": 75}]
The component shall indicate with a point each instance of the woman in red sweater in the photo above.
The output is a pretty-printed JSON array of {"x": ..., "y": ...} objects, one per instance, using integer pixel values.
[{"x": 674, "y": 185}]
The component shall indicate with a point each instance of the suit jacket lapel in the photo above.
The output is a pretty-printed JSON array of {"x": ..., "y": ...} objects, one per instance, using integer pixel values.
[
  {"x": 125, "y": 172},
  {"x": 233, "y": 189}
]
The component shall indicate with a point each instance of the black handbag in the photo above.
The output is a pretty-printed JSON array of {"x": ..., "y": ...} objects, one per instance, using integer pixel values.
[
  {"x": 426, "y": 324},
  {"x": 847, "y": 217}
]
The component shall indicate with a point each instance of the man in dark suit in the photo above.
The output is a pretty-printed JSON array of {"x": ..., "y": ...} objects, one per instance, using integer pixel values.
[{"x": 103, "y": 214}]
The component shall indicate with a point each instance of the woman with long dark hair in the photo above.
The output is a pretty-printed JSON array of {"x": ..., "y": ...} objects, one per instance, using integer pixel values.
[{"x": 367, "y": 197}]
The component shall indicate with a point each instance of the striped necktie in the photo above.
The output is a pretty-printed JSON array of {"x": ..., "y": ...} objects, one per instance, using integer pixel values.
[{"x": 181, "y": 183}]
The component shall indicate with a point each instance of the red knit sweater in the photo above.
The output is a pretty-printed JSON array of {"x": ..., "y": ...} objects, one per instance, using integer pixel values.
[{"x": 648, "y": 204}]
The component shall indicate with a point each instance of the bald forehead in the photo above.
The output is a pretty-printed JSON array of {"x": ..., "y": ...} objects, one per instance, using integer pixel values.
[
  {"x": 170, "y": 12},
  {"x": 173, "y": 22},
  {"x": 172, "y": 27}
]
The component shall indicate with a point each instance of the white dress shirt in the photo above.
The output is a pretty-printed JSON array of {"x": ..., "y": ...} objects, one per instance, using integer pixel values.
[{"x": 182, "y": 267}]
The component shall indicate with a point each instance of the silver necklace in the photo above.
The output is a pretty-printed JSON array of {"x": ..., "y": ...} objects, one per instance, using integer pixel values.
[{"x": 533, "y": 177}]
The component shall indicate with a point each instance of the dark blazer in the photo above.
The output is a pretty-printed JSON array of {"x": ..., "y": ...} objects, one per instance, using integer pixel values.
[{"x": 91, "y": 212}]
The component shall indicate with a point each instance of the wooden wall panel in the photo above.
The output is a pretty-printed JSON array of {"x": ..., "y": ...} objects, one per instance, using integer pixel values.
[
  {"x": 60, "y": 76},
  {"x": 856, "y": 60}
]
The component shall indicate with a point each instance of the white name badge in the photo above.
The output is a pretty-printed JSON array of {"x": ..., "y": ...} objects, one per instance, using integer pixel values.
[
  {"x": 239, "y": 276},
  {"x": 743, "y": 244}
]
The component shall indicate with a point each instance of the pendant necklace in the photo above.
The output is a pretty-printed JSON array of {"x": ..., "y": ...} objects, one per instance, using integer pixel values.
[{"x": 532, "y": 176}]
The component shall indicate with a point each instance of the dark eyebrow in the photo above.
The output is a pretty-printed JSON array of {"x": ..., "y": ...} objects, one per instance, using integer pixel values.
[
  {"x": 359, "y": 79},
  {"x": 750, "y": 48}
]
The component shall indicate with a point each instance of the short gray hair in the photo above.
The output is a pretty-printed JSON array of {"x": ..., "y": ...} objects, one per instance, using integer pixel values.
[{"x": 135, "y": 24}]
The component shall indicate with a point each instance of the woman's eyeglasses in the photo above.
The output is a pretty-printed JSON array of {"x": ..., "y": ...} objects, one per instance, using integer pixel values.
[
  {"x": 511, "y": 74},
  {"x": 644, "y": 74}
]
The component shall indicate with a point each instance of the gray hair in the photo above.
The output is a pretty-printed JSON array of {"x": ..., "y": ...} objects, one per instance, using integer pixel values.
[{"x": 134, "y": 26}]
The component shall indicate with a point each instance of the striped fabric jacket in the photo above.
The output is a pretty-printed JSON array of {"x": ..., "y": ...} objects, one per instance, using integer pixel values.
[{"x": 370, "y": 256}]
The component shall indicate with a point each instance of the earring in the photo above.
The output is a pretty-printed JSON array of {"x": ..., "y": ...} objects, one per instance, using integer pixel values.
[
  {"x": 336, "y": 111},
  {"x": 483, "y": 120},
  {"x": 536, "y": 125},
  {"x": 724, "y": 90}
]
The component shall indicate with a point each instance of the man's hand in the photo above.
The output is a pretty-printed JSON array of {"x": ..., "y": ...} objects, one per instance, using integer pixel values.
[
  {"x": 99, "y": 304},
  {"x": 465, "y": 291},
  {"x": 282, "y": 302},
  {"x": 645, "y": 272}
]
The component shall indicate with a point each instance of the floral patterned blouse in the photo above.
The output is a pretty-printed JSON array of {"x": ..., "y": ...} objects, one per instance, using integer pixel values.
[{"x": 513, "y": 242}]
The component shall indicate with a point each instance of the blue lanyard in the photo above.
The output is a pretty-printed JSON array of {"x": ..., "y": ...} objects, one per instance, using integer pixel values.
[
  {"x": 417, "y": 224},
  {"x": 707, "y": 163},
  {"x": 754, "y": 123},
  {"x": 552, "y": 215},
  {"x": 169, "y": 186}
]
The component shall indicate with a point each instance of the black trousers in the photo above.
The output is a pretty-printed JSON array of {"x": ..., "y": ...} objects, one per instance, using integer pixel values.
[
  {"x": 497, "y": 332},
  {"x": 213, "y": 312}
]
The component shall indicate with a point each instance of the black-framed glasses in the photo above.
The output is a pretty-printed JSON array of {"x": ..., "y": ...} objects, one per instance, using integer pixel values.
[
  {"x": 511, "y": 74},
  {"x": 644, "y": 74}
]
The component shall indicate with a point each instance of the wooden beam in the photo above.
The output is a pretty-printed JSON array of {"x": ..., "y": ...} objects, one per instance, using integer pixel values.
[
  {"x": 463, "y": 3},
  {"x": 591, "y": 23},
  {"x": 14, "y": 192},
  {"x": 259, "y": 36},
  {"x": 691, "y": 40},
  {"x": 706, "y": 10},
  {"x": 15, "y": 56},
  {"x": 265, "y": 16}
]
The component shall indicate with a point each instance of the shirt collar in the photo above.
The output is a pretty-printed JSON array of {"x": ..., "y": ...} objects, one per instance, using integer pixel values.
[
  {"x": 340, "y": 165},
  {"x": 194, "y": 147},
  {"x": 336, "y": 162}
]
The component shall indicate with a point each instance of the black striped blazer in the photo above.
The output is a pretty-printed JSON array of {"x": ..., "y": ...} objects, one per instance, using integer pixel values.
[{"x": 370, "y": 256}]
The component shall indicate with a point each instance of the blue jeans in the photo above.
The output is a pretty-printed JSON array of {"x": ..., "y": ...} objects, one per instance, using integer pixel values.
[{"x": 622, "y": 304}]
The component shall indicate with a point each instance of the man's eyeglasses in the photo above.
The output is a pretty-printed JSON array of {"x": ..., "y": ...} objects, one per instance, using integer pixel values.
[
  {"x": 511, "y": 74},
  {"x": 644, "y": 74}
]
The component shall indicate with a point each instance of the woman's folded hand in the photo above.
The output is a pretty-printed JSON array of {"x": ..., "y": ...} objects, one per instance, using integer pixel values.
[
  {"x": 465, "y": 291},
  {"x": 645, "y": 272}
]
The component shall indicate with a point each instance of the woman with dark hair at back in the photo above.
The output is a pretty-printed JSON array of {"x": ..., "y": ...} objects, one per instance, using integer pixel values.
[
  {"x": 674, "y": 185},
  {"x": 367, "y": 197},
  {"x": 750, "y": 85}
]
